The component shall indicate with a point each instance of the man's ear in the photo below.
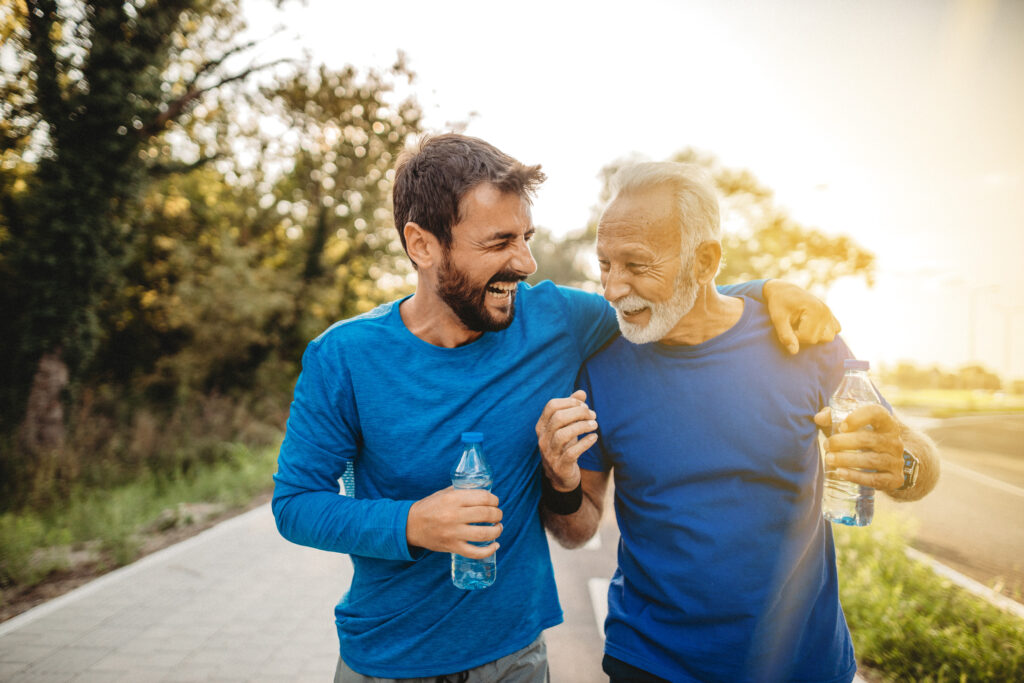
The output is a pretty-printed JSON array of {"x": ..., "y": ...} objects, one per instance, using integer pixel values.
[
  {"x": 706, "y": 260},
  {"x": 422, "y": 246}
]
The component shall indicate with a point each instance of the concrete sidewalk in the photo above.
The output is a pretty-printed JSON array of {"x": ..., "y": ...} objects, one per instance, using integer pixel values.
[{"x": 234, "y": 603}]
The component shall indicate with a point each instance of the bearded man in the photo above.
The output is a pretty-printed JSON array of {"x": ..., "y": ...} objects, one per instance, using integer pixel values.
[
  {"x": 389, "y": 394},
  {"x": 726, "y": 568}
]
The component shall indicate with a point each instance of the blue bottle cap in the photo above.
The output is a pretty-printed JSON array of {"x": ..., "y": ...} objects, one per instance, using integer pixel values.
[
  {"x": 853, "y": 364},
  {"x": 472, "y": 437}
]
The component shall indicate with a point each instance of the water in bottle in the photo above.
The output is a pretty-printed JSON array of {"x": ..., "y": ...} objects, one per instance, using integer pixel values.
[
  {"x": 473, "y": 472},
  {"x": 845, "y": 502}
]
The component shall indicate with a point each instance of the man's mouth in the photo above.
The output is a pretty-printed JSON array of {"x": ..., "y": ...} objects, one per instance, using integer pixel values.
[
  {"x": 632, "y": 313},
  {"x": 501, "y": 290}
]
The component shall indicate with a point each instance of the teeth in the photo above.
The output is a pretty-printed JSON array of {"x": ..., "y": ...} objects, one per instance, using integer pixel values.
[{"x": 502, "y": 287}]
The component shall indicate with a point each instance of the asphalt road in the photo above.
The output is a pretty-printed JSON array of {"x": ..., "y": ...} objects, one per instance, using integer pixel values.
[{"x": 974, "y": 519}]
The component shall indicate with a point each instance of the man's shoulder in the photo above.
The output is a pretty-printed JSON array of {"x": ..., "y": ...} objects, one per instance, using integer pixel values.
[
  {"x": 611, "y": 353},
  {"x": 366, "y": 327}
]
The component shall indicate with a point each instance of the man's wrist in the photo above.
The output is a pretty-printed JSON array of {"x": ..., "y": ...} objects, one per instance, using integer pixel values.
[{"x": 560, "y": 502}]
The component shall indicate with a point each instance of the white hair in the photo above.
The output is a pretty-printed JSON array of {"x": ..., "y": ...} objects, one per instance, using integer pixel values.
[{"x": 696, "y": 200}]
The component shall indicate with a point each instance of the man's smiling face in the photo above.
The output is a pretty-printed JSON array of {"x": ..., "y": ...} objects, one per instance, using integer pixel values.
[
  {"x": 488, "y": 257},
  {"x": 646, "y": 279}
]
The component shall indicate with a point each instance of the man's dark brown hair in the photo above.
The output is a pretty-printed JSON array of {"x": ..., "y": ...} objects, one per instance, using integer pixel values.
[{"x": 431, "y": 181}]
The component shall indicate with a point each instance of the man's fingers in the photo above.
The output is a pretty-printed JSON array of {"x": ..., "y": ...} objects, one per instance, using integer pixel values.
[
  {"x": 475, "y": 552},
  {"x": 474, "y": 497},
  {"x": 556, "y": 406},
  {"x": 875, "y": 415},
  {"x": 783, "y": 325},
  {"x": 481, "y": 534},
  {"x": 824, "y": 418},
  {"x": 577, "y": 449},
  {"x": 863, "y": 440},
  {"x": 865, "y": 460},
  {"x": 480, "y": 514},
  {"x": 885, "y": 481},
  {"x": 566, "y": 436}
]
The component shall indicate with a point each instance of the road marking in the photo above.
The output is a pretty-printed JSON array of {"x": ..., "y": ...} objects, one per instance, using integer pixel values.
[
  {"x": 982, "y": 478},
  {"x": 598, "y": 589}
]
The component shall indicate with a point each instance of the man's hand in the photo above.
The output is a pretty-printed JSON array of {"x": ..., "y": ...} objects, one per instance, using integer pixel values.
[
  {"x": 559, "y": 429},
  {"x": 798, "y": 317},
  {"x": 447, "y": 521},
  {"x": 856, "y": 448}
]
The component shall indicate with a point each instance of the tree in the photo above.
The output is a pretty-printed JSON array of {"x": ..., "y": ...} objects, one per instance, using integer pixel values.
[
  {"x": 759, "y": 240},
  {"x": 243, "y": 261},
  {"x": 94, "y": 89}
]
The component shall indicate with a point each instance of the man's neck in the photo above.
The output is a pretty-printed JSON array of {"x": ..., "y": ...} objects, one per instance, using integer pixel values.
[
  {"x": 712, "y": 314},
  {"x": 428, "y": 317}
]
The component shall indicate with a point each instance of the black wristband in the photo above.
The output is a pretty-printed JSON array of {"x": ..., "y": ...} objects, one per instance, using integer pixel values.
[{"x": 560, "y": 502}]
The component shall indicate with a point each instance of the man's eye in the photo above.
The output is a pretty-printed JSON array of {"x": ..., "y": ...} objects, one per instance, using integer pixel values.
[
  {"x": 529, "y": 236},
  {"x": 636, "y": 267},
  {"x": 603, "y": 265}
]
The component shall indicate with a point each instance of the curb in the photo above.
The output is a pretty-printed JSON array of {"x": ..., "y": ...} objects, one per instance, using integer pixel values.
[{"x": 968, "y": 584}]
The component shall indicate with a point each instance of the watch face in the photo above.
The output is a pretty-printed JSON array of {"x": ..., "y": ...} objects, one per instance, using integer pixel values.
[{"x": 909, "y": 470}]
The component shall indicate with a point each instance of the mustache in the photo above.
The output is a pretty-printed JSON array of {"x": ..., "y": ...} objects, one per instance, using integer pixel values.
[{"x": 506, "y": 276}]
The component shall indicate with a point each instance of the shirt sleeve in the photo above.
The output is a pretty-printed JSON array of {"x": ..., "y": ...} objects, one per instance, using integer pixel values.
[
  {"x": 321, "y": 440},
  {"x": 591, "y": 319},
  {"x": 753, "y": 289},
  {"x": 593, "y": 458}
]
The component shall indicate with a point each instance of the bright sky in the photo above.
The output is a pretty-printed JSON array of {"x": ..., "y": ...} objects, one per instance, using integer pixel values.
[{"x": 901, "y": 124}]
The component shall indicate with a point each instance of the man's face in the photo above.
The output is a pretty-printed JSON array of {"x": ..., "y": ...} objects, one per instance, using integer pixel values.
[
  {"x": 643, "y": 271},
  {"x": 489, "y": 255}
]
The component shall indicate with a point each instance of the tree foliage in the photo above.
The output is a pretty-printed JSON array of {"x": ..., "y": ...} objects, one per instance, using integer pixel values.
[
  {"x": 759, "y": 238},
  {"x": 93, "y": 86}
]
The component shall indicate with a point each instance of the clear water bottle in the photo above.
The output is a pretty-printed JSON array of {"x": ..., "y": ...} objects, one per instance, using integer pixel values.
[
  {"x": 845, "y": 502},
  {"x": 473, "y": 472}
]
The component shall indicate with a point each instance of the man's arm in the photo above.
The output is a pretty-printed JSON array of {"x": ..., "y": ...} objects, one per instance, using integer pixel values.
[
  {"x": 573, "y": 530},
  {"x": 880, "y": 448},
  {"x": 565, "y": 431},
  {"x": 320, "y": 440}
]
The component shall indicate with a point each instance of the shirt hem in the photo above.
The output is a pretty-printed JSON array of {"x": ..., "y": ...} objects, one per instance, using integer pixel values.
[
  {"x": 454, "y": 667},
  {"x": 631, "y": 659}
]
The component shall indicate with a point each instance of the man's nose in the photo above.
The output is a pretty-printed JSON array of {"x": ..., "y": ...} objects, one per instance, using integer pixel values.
[
  {"x": 616, "y": 285},
  {"x": 523, "y": 261}
]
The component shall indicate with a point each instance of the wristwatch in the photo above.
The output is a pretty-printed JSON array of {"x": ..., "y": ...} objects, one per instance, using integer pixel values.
[{"x": 911, "y": 468}]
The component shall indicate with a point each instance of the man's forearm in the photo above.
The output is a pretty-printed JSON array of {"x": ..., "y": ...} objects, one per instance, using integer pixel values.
[
  {"x": 924, "y": 449},
  {"x": 573, "y": 530}
]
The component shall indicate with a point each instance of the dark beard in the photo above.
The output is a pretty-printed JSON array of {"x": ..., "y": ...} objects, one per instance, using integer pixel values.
[{"x": 467, "y": 301}]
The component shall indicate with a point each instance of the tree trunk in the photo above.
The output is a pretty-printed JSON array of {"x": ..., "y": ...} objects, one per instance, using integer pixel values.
[{"x": 43, "y": 428}]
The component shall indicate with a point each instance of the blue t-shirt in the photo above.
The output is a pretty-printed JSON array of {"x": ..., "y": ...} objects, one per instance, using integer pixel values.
[
  {"x": 373, "y": 394},
  {"x": 726, "y": 568}
]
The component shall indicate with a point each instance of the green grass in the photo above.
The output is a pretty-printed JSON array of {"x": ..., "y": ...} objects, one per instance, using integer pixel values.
[
  {"x": 35, "y": 543},
  {"x": 912, "y": 625}
]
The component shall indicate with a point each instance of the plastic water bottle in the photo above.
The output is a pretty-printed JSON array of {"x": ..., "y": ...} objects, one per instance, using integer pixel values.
[
  {"x": 473, "y": 472},
  {"x": 843, "y": 501}
]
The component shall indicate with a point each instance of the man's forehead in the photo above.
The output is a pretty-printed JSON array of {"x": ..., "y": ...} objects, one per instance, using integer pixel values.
[{"x": 632, "y": 225}]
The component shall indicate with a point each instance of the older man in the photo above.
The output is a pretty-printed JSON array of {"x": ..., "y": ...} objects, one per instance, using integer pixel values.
[{"x": 726, "y": 567}]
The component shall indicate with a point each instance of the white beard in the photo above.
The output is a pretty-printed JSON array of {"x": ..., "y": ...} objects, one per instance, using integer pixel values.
[{"x": 664, "y": 315}]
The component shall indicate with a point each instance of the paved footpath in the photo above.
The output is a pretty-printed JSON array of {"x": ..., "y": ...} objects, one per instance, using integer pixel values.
[{"x": 234, "y": 603}]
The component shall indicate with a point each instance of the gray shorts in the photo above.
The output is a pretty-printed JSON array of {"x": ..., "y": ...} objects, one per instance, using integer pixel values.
[{"x": 529, "y": 665}]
